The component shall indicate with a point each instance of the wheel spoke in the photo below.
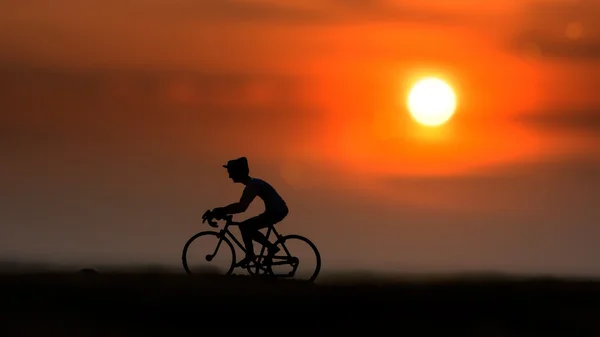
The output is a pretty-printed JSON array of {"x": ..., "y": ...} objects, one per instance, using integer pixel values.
[
  {"x": 293, "y": 249},
  {"x": 206, "y": 252}
]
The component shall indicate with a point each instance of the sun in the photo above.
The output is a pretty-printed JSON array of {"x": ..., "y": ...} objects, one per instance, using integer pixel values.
[{"x": 431, "y": 101}]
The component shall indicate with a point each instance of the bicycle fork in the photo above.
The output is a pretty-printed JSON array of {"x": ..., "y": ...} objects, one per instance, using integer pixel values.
[{"x": 221, "y": 234}]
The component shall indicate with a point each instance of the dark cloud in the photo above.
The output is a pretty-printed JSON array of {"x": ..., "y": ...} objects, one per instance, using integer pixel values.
[
  {"x": 322, "y": 12},
  {"x": 112, "y": 111},
  {"x": 567, "y": 169},
  {"x": 574, "y": 120},
  {"x": 557, "y": 47},
  {"x": 560, "y": 30},
  {"x": 573, "y": 167},
  {"x": 568, "y": 186}
]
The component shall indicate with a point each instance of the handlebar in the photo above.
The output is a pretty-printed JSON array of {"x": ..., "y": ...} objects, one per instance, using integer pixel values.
[{"x": 208, "y": 217}]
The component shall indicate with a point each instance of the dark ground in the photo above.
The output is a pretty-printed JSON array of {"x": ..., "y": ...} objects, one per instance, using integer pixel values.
[{"x": 121, "y": 304}]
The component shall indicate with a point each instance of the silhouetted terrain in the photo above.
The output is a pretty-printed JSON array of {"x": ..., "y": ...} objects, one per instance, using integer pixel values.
[{"x": 154, "y": 304}]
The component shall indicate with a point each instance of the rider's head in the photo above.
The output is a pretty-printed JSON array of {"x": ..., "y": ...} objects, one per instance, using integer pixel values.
[{"x": 238, "y": 169}]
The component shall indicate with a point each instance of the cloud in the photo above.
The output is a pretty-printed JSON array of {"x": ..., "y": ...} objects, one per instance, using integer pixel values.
[
  {"x": 573, "y": 120},
  {"x": 290, "y": 12},
  {"x": 565, "y": 185},
  {"x": 125, "y": 111},
  {"x": 560, "y": 30},
  {"x": 557, "y": 47},
  {"x": 270, "y": 35},
  {"x": 308, "y": 12}
]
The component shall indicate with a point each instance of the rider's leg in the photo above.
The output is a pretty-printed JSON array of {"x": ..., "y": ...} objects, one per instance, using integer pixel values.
[
  {"x": 267, "y": 219},
  {"x": 250, "y": 230}
]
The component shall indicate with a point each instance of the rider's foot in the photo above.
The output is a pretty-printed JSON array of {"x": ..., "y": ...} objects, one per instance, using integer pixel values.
[
  {"x": 273, "y": 249},
  {"x": 246, "y": 260}
]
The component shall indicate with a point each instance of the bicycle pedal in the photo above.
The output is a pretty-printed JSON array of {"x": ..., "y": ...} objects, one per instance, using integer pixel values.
[{"x": 242, "y": 265}]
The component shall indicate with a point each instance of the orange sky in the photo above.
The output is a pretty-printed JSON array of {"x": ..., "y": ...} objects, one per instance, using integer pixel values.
[{"x": 126, "y": 109}]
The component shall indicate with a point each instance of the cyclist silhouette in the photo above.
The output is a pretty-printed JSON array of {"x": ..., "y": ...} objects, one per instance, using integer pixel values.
[{"x": 275, "y": 207}]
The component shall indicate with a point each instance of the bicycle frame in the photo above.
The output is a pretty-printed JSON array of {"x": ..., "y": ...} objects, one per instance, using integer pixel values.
[{"x": 267, "y": 268}]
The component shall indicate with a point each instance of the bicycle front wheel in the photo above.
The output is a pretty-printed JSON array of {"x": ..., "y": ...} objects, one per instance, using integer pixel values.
[
  {"x": 208, "y": 253},
  {"x": 298, "y": 259}
]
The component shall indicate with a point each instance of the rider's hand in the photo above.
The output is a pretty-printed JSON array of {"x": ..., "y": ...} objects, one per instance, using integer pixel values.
[
  {"x": 218, "y": 213},
  {"x": 207, "y": 215}
]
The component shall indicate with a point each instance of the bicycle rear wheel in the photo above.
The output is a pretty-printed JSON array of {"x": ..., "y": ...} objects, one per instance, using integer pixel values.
[
  {"x": 297, "y": 259},
  {"x": 208, "y": 253}
]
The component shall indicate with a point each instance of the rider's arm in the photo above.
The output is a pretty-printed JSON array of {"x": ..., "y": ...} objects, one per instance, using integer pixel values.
[{"x": 241, "y": 206}]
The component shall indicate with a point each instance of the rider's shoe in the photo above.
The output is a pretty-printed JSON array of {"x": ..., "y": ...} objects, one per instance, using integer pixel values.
[
  {"x": 273, "y": 250},
  {"x": 245, "y": 261}
]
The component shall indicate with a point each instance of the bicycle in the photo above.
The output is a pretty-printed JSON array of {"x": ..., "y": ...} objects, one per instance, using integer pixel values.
[{"x": 264, "y": 263}]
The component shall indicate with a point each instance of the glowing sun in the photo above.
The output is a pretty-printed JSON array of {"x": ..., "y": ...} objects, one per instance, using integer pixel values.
[{"x": 431, "y": 101}]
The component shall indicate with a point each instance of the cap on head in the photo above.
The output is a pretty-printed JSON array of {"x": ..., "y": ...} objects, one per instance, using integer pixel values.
[{"x": 238, "y": 166}]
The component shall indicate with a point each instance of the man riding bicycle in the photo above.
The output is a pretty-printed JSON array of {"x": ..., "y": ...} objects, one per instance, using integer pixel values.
[{"x": 275, "y": 208}]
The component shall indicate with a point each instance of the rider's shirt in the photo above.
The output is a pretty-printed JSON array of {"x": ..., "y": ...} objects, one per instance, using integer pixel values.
[{"x": 272, "y": 200}]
